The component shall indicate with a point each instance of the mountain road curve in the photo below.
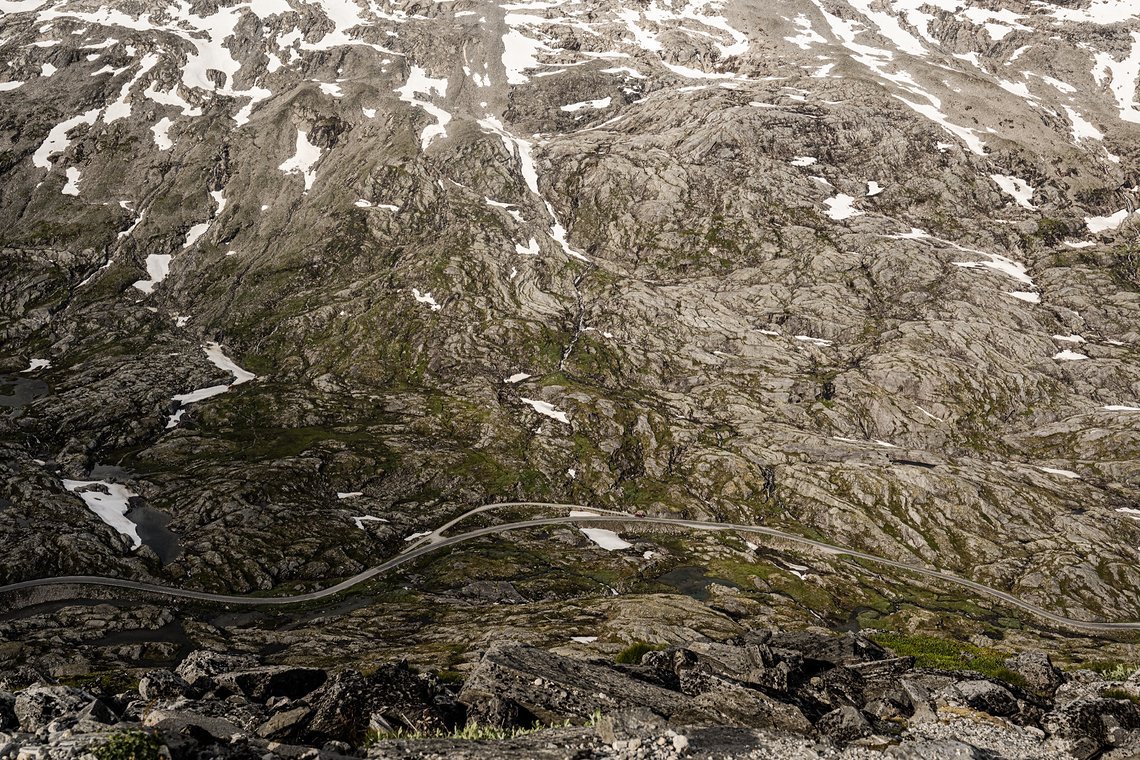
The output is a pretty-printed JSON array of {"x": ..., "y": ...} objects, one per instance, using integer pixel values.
[{"x": 435, "y": 541}]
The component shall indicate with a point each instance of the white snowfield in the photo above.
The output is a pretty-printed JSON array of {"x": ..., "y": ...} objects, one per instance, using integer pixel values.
[
  {"x": 110, "y": 502},
  {"x": 418, "y": 91},
  {"x": 303, "y": 160}
]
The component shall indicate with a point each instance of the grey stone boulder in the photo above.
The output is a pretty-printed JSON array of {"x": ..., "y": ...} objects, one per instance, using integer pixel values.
[
  {"x": 201, "y": 666},
  {"x": 284, "y": 725},
  {"x": 187, "y": 723},
  {"x": 942, "y": 749},
  {"x": 165, "y": 685},
  {"x": 499, "y": 712},
  {"x": 554, "y": 688},
  {"x": 843, "y": 725},
  {"x": 340, "y": 708},
  {"x": 97, "y": 711},
  {"x": 1038, "y": 671},
  {"x": 38, "y": 706},
  {"x": 1087, "y": 726},
  {"x": 393, "y": 696},
  {"x": 987, "y": 697},
  {"x": 628, "y": 724},
  {"x": 846, "y": 649}
]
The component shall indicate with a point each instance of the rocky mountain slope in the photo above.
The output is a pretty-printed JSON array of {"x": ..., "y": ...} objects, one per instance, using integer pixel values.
[
  {"x": 769, "y": 695},
  {"x": 286, "y": 284}
]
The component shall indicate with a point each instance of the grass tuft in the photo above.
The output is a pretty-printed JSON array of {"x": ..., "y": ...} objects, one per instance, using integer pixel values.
[
  {"x": 633, "y": 653},
  {"x": 945, "y": 654}
]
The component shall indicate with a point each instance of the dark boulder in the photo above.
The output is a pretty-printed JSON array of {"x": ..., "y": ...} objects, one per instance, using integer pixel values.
[
  {"x": 1087, "y": 726},
  {"x": 1037, "y": 670},
  {"x": 37, "y": 706},
  {"x": 843, "y": 725},
  {"x": 201, "y": 666},
  {"x": 163, "y": 684},
  {"x": 260, "y": 684},
  {"x": 987, "y": 697}
]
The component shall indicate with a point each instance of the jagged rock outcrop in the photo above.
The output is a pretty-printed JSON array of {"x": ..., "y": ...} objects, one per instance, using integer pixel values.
[{"x": 685, "y": 701}]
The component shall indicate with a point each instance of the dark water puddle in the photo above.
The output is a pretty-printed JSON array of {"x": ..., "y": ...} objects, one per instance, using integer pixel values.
[
  {"x": 151, "y": 525},
  {"x": 693, "y": 581},
  {"x": 111, "y": 472},
  {"x": 17, "y": 392}
]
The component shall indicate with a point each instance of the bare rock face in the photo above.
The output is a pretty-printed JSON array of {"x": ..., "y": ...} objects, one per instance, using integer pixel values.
[{"x": 38, "y": 706}]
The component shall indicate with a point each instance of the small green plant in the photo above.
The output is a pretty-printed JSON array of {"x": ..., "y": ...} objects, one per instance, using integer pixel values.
[
  {"x": 633, "y": 653},
  {"x": 469, "y": 732},
  {"x": 1112, "y": 671},
  {"x": 130, "y": 745}
]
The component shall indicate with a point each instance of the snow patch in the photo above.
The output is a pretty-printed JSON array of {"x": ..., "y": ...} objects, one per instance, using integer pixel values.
[
  {"x": 1098, "y": 224},
  {"x": 427, "y": 298},
  {"x": 57, "y": 140},
  {"x": 606, "y": 539},
  {"x": 72, "y": 185},
  {"x": 162, "y": 133},
  {"x": 36, "y": 364},
  {"x": 1062, "y": 473},
  {"x": 597, "y": 104},
  {"x": 303, "y": 160},
  {"x": 840, "y": 207},
  {"x": 419, "y": 83},
  {"x": 1015, "y": 187},
  {"x": 546, "y": 409},
  {"x": 110, "y": 502},
  {"x": 157, "y": 268}
]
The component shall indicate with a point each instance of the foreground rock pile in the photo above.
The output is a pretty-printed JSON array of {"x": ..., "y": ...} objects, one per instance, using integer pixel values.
[{"x": 766, "y": 694}]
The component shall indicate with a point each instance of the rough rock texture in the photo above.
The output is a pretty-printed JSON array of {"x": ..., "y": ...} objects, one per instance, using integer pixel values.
[
  {"x": 686, "y": 701},
  {"x": 864, "y": 272},
  {"x": 285, "y": 284}
]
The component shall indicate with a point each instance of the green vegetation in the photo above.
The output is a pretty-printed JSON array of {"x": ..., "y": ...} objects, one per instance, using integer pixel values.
[
  {"x": 130, "y": 745},
  {"x": 1117, "y": 693},
  {"x": 633, "y": 653},
  {"x": 1112, "y": 671},
  {"x": 945, "y": 654},
  {"x": 469, "y": 732}
]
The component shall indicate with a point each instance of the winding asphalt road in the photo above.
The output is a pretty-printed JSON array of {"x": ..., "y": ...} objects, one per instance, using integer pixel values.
[{"x": 436, "y": 540}]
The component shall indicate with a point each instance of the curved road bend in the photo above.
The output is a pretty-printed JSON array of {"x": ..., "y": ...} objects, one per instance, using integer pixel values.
[{"x": 434, "y": 541}]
